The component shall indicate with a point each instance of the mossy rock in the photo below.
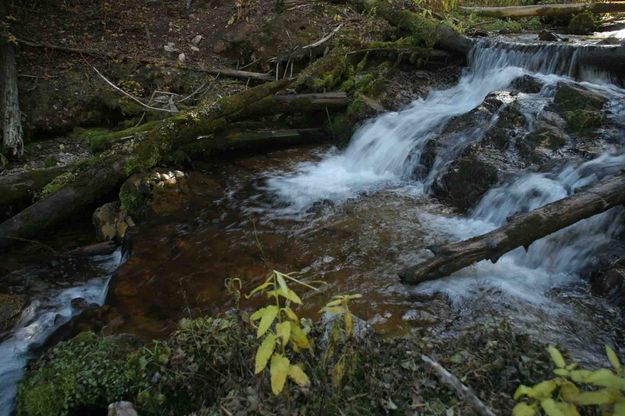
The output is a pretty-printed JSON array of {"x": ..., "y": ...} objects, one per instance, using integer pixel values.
[
  {"x": 572, "y": 98},
  {"x": 87, "y": 372},
  {"x": 583, "y": 120},
  {"x": 583, "y": 24},
  {"x": 10, "y": 308},
  {"x": 548, "y": 138}
]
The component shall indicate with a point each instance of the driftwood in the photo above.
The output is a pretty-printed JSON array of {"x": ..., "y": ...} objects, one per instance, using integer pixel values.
[
  {"x": 463, "y": 392},
  {"x": 521, "y": 230},
  {"x": 546, "y": 9},
  {"x": 12, "y": 134}
]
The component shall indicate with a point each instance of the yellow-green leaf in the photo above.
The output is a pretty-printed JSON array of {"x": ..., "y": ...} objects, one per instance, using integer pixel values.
[
  {"x": 349, "y": 322},
  {"x": 338, "y": 372},
  {"x": 283, "y": 330},
  {"x": 556, "y": 357},
  {"x": 290, "y": 314},
  {"x": 269, "y": 315},
  {"x": 522, "y": 391},
  {"x": 523, "y": 409},
  {"x": 264, "y": 352},
  {"x": 260, "y": 288},
  {"x": 543, "y": 389},
  {"x": 619, "y": 408},
  {"x": 569, "y": 391},
  {"x": 292, "y": 296},
  {"x": 298, "y": 376},
  {"x": 335, "y": 302},
  {"x": 298, "y": 337},
  {"x": 598, "y": 398},
  {"x": 257, "y": 314},
  {"x": 606, "y": 378},
  {"x": 279, "y": 370},
  {"x": 567, "y": 409},
  {"x": 551, "y": 408},
  {"x": 612, "y": 358},
  {"x": 334, "y": 310},
  {"x": 282, "y": 283}
]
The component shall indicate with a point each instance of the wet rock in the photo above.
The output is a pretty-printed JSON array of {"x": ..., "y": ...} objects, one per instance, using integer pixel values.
[
  {"x": 583, "y": 24},
  {"x": 465, "y": 181},
  {"x": 606, "y": 273},
  {"x": 572, "y": 98},
  {"x": 157, "y": 192},
  {"x": 540, "y": 144},
  {"x": 111, "y": 222},
  {"x": 611, "y": 41},
  {"x": 548, "y": 36},
  {"x": 582, "y": 120},
  {"x": 527, "y": 84},
  {"x": 121, "y": 409},
  {"x": 11, "y": 307}
]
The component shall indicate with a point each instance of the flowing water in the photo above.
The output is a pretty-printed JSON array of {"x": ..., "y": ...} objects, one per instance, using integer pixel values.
[{"x": 355, "y": 217}]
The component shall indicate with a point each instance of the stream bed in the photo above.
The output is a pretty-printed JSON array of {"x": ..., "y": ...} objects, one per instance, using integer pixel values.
[{"x": 354, "y": 217}]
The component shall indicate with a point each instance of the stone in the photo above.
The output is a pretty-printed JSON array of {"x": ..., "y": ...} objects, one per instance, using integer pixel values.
[
  {"x": 572, "y": 98},
  {"x": 170, "y": 47},
  {"x": 11, "y": 307},
  {"x": 547, "y": 36},
  {"x": 196, "y": 40},
  {"x": 121, "y": 409},
  {"x": 527, "y": 84},
  {"x": 111, "y": 222},
  {"x": 181, "y": 58}
]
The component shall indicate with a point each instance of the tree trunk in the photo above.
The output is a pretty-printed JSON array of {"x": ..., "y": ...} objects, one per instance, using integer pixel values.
[
  {"x": 522, "y": 230},
  {"x": 546, "y": 9},
  {"x": 12, "y": 135},
  {"x": 18, "y": 191}
]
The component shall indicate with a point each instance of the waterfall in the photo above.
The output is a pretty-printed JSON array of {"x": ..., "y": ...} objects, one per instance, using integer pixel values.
[{"x": 387, "y": 150}]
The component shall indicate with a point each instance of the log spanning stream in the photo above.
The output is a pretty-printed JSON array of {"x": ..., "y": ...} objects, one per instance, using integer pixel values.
[{"x": 355, "y": 217}]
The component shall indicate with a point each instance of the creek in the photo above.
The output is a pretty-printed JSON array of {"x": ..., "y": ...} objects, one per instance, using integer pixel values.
[{"x": 354, "y": 217}]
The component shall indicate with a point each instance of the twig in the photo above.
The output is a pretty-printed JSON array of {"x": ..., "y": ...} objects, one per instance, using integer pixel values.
[
  {"x": 463, "y": 392},
  {"x": 132, "y": 97},
  {"x": 323, "y": 39}
]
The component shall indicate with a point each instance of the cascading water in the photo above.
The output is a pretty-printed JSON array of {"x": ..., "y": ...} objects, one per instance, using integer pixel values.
[
  {"x": 387, "y": 151},
  {"x": 40, "y": 319}
]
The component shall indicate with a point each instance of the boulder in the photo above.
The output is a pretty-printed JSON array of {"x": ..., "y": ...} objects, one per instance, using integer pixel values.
[
  {"x": 111, "y": 222},
  {"x": 573, "y": 98},
  {"x": 11, "y": 307},
  {"x": 527, "y": 84},
  {"x": 121, "y": 409}
]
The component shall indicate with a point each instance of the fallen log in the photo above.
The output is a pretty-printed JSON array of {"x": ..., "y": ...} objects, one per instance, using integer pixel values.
[
  {"x": 19, "y": 190},
  {"x": 81, "y": 187},
  {"x": 12, "y": 133},
  {"x": 274, "y": 104},
  {"x": 521, "y": 230},
  {"x": 546, "y": 9}
]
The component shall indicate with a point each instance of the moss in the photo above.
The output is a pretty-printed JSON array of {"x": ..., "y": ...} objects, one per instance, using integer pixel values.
[
  {"x": 87, "y": 372},
  {"x": 545, "y": 138},
  {"x": 572, "y": 98},
  {"x": 582, "y": 120},
  {"x": 58, "y": 183},
  {"x": 583, "y": 24}
]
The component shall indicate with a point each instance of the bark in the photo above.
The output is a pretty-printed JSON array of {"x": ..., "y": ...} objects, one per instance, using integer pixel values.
[
  {"x": 104, "y": 173},
  {"x": 442, "y": 36},
  {"x": 521, "y": 230},
  {"x": 17, "y": 191},
  {"x": 546, "y": 9},
  {"x": 12, "y": 134}
]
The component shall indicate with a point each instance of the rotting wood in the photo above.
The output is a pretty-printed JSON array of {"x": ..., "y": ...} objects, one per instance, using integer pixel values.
[
  {"x": 521, "y": 231},
  {"x": 546, "y": 9},
  {"x": 19, "y": 190}
]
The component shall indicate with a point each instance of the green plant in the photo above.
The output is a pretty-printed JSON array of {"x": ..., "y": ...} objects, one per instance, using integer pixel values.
[
  {"x": 281, "y": 329},
  {"x": 573, "y": 387},
  {"x": 339, "y": 347}
]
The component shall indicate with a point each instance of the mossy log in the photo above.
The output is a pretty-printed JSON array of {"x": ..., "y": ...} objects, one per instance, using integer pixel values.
[
  {"x": 430, "y": 32},
  {"x": 521, "y": 230},
  {"x": 546, "y": 9},
  {"x": 94, "y": 179},
  {"x": 19, "y": 190}
]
